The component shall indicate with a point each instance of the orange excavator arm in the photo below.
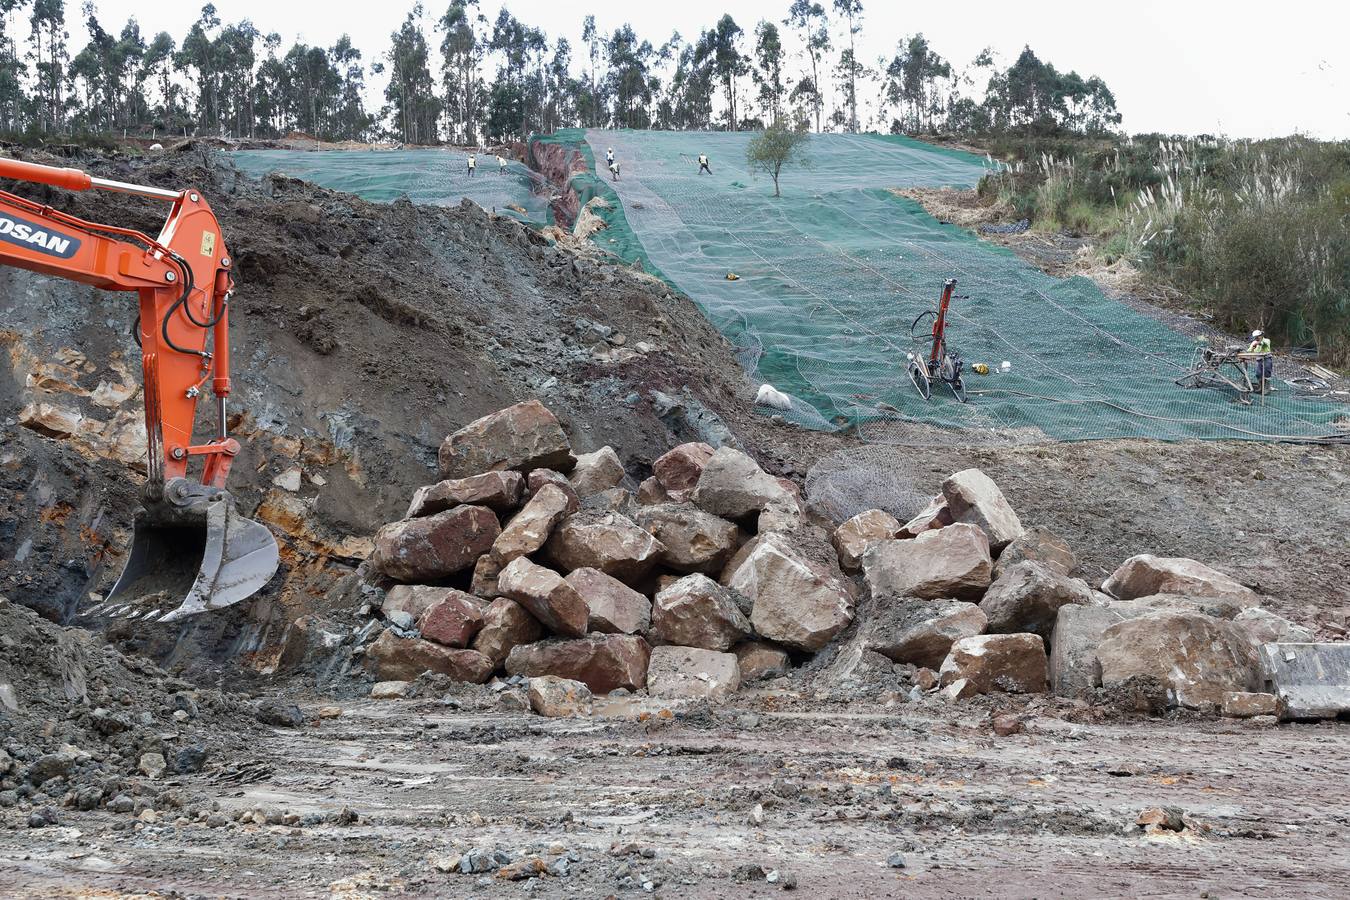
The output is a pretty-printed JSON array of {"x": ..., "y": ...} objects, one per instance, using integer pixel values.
[{"x": 184, "y": 283}]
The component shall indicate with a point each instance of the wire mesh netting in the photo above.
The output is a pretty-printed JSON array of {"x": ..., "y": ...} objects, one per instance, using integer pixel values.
[
  {"x": 437, "y": 177},
  {"x": 831, "y": 276}
]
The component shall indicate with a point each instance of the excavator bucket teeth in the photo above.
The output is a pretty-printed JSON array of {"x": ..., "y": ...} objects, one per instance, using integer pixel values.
[{"x": 191, "y": 561}]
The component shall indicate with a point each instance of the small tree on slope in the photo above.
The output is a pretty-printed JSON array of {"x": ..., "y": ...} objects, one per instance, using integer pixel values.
[{"x": 776, "y": 147}]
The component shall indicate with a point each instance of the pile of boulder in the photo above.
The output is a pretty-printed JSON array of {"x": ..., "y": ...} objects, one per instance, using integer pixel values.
[
  {"x": 535, "y": 561},
  {"x": 978, "y": 603}
]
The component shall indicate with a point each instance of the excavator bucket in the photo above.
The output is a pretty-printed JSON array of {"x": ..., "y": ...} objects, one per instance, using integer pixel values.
[{"x": 188, "y": 561}]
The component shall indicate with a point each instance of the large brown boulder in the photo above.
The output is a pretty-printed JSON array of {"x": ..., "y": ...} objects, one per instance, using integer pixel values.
[
  {"x": 921, "y": 632},
  {"x": 434, "y": 547},
  {"x": 506, "y": 624},
  {"x": 614, "y": 607},
  {"x": 1200, "y": 658},
  {"x": 546, "y": 595},
  {"x": 858, "y": 533},
  {"x": 732, "y": 485},
  {"x": 679, "y": 469},
  {"x": 759, "y": 659},
  {"x": 1074, "y": 671},
  {"x": 932, "y": 517},
  {"x": 412, "y": 600},
  {"x": 603, "y": 662},
  {"x": 1145, "y": 575},
  {"x": 610, "y": 542},
  {"x": 694, "y": 540},
  {"x": 685, "y": 673},
  {"x": 521, "y": 437},
  {"x": 498, "y": 491},
  {"x": 794, "y": 601},
  {"x": 1012, "y": 663},
  {"x": 973, "y": 497},
  {"x": 530, "y": 528},
  {"x": 1028, "y": 597},
  {"x": 1038, "y": 545},
  {"x": 596, "y": 472},
  {"x": 698, "y": 612},
  {"x": 395, "y": 658},
  {"x": 950, "y": 562},
  {"x": 559, "y": 697},
  {"x": 453, "y": 621}
]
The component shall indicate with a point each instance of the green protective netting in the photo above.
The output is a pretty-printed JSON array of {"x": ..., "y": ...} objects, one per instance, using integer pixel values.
[
  {"x": 833, "y": 273},
  {"x": 437, "y": 177}
]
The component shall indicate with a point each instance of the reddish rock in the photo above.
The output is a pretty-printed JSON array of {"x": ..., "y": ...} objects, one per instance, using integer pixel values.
[
  {"x": 610, "y": 542},
  {"x": 614, "y": 607},
  {"x": 484, "y": 583},
  {"x": 973, "y": 497},
  {"x": 521, "y": 437},
  {"x": 1028, "y": 598},
  {"x": 689, "y": 673},
  {"x": 1247, "y": 705},
  {"x": 540, "y": 477},
  {"x": 530, "y": 528},
  {"x": 1039, "y": 545},
  {"x": 603, "y": 662},
  {"x": 1145, "y": 575},
  {"x": 1013, "y": 663},
  {"x": 412, "y": 599},
  {"x": 694, "y": 540},
  {"x": 933, "y": 516},
  {"x": 733, "y": 486},
  {"x": 759, "y": 659},
  {"x": 698, "y": 612},
  {"x": 453, "y": 621},
  {"x": 793, "y": 600},
  {"x": 434, "y": 547},
  {"x": 1006, "y": 724},
  {"x": 559, "y": 697},
  {"x": 680, "y": 468},
  {"x": 737, "y": 560},
  {"x": 395, "y": 658},
  {"x": 506, "y": 624},
  {"x": 854, "y": 536},
  {"x": 1199, "y": 658},
  {"x": 950, "y": 562},
  {"x": 548, "y": 597},
  {"x": 499, "y": 491},
  {"x": 650, "y": 492},
  {"x": 596, "y": 472},
  {"x": 925, "y": 679}
]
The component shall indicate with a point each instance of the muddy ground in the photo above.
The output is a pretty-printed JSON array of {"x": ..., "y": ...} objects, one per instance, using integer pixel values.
[{"x": 364, "y": 333}]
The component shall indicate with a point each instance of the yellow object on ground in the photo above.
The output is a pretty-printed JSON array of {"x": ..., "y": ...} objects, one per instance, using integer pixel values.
[
  {"x": 980, "y": 369},
  {"x": 732, "y": 276}
]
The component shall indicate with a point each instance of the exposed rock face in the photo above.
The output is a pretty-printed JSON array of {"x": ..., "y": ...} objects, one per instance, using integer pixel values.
[
  {"x": 1145, "y": 575},
  {"x": 433, "y": 547},
  {"x": 614, "y": 607},
  {"x": 530, "y": 528},
  {"x": 559, "y": 697},
  {"x": 698, "y": 612},
  {"x": 610, "y": 542},
  {"x": 1028, "y": 597},
  {"x": 1012, "y": 663},
  {"x": 973, "y": 497},
  {"x": 921, "y": 632},
  {"x": 1074, "y": 671},
  {"x": 1037, "y": 545},
  {"x": 51, "y": 419},
  {"x": 680, "y": 468},
  {"x": 1245, "y": 705},
  {"x": 1264, "y": 627},
  {"x": 506, "y": 624},
  {"x": 793, "y": 600},
  {"x": 933, "y": 516},
  {"x": 413, "y": 599},
  {"x": 546, "y": 596},
  {"x": 596, "y": 472},
  {"x": 395, "y": 658},
  {"x": 601, "y": 662},
  {"x": 679, "y": 673},
  {"x": 950, "y": 562},
  {"x": 452, "y": 621},
  {"x": 1200, "y": 658},
  {"x": 854, "y": 536},
  {"x": 732, "y": 485},
  {"x": 1218, "y": 607},
  {"x": 521, "y": 437},
  {"x": 694, "y": 540},
  {"x": 757, "y": 660},
  {"x": 498, "y": 491}
]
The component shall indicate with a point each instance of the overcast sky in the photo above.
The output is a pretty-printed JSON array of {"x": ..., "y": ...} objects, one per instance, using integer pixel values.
[{"x": 1236, "y": 68}]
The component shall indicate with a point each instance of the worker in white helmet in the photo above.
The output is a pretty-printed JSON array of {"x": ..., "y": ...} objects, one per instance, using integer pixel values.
[
  {"x": 473, "y": 164},
  {"x": 1264, "y": 362},
  {"x": 609, "y": 156},
  {"x": 501, "y": 164},
  {"x": 703, "y": 164}
]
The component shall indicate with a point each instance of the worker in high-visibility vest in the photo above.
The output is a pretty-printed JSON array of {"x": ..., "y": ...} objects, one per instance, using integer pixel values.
[
  {"x": 473, "y": 164},
  {"x": 1264, "y": 364},
  {"x": 703, "y": 164}
]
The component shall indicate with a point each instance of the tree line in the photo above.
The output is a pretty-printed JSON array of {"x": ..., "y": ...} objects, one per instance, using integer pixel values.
[{"x": 466, "y": 78}]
